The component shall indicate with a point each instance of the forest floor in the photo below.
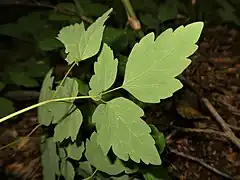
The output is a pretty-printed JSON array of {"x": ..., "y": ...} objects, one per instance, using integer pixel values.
[{"x": 198, "y": 146}]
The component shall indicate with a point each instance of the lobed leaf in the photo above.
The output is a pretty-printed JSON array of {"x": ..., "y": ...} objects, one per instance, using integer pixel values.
[
  {"x": 105, "y": 72},
  {"x": 81, "y": 44},
  {"x": 45, "y": 115},
  {"x": 67, "y": 170},
  {"x": 49, "y": 159},
  {"x": 153, "y": 65},
  {"x": 61, "y": 109},
  {"x": 119, "y": 122},
  {"x": 85, "y": 169},
  {"x": 69, "y": 126},
  {"x": 75, "y": 152},
  {"x": 96, "y": 158}
]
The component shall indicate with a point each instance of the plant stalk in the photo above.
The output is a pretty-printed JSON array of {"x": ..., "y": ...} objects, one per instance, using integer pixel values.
[
  {"x": 128, "y": 6},
  {"x": 64, "y": 78},
  {"x": 41, "y": 104},
  {"x": 79, "y": 7}
]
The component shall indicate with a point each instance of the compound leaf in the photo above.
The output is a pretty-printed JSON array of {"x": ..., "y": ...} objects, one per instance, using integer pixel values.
[
  {"x": 81, "y": 44},
  {"x": 119, "y": 122},
  {"x": 105, "y": 72},
  {"x": 68, "y": 89},
  {"x": 69, "y": 126},
  {"x": 67, "y": 170},
  {"x": 74, "y": 151},
  {"x": 45, "y": 116},
  {"x": 49, "y": 159},
  {"x": 153, "y": 65},
  {"x": 96, "y": 158}
]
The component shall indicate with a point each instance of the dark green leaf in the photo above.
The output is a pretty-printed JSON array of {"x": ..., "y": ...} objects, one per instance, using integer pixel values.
[
  {"x": 7, "y": 107},
  {"x": 2, "y": 85},
  {"x": 49, "y": 44},
  {"x": 159, "y": 138},
  {"x": 23, "y": 79}
]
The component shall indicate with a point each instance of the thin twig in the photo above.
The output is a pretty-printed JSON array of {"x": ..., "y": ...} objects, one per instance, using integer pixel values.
[
  {"x": 169, "y": 137},
  {"x": 200, "y": 161},
  {"x": 215, "y": 114},
  {"x": 21, "y": 139},
  {"x": 63, "y": 10},
  {"x": 206, "y": 131},
  {"x": 235, "y": 128},
  {"x": 226, "y": 129},
  {"x": 230, "y": 107}
]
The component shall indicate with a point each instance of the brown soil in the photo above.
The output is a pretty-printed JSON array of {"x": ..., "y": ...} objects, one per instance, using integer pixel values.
[{"x": 215, "y": 72}]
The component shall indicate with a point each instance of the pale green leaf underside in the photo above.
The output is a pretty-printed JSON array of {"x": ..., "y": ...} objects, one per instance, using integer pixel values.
[
  {"x": 74, "y": 151},
  {"x": 49, "y": 159},
  {"x": 105, "y": 72},
  {"x": 85, "y": 169},
  {"x": 81, "y": 44},
  {"x": 67, "y": 170},
  {"x": 62, "y": 153},
  {"x": 153, "y": 65},
  {"x": 119, "y": 122},
  {"x": 60, "y": 109},
  {"x": 45, "y": 115},
  {"x": 69, "y": 126},
  {"x": 97, "y": 159}
]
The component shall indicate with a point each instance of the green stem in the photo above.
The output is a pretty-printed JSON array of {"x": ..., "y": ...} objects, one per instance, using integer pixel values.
[
  {"x": 19, "y": 140},
  {"x": 117, "y": 88},
  {"x": 128, "y": 6},
  {"x": 40, "y": 104},
  {"x": 91, "y": 175},
  {"x": 79, "y": 7},
  {"x": 64, "y": 78},
  {"x": 131, "y": 13}
]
